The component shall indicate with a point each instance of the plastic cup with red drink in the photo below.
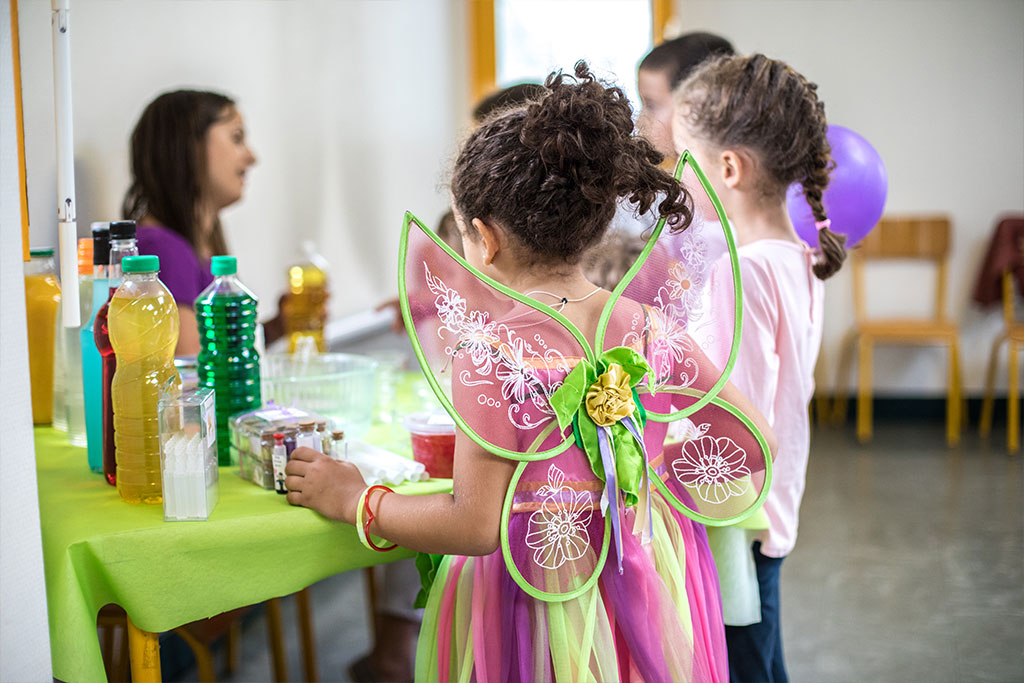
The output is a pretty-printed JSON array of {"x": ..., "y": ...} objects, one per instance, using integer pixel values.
[{"x": 433, "y": 441}]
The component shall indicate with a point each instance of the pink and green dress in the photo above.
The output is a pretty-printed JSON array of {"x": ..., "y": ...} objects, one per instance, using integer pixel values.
[{"x": 603, "y": 571}]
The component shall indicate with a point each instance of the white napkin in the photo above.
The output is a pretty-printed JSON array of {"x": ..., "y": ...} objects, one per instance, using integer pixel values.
[{"x": 379, "y": 466}]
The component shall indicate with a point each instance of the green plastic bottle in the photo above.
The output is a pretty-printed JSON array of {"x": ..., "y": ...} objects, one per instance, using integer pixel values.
[{"x": 228, "y": 360}]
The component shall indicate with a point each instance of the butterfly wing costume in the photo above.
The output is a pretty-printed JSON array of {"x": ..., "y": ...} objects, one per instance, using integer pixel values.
[{"x": 603, "y": 571}]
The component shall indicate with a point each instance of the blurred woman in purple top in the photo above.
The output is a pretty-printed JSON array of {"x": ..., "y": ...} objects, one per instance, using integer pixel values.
[{"x": 189, "y": 159}]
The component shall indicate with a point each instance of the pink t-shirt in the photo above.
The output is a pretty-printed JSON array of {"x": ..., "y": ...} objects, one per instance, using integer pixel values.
[{"x": 782, "y": 324}]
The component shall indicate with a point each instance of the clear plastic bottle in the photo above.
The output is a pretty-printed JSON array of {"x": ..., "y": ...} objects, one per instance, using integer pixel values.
[
  {"x": 75, "y": 399},
  {"x": 143, "y": 323},
  {"x": 122, "y": 246},
  {"x": 42, "y": 298},
  {"x": 92, "y": 361},
  {"x": 228, "y": 361},
  {"x": 307, "y": 287}
]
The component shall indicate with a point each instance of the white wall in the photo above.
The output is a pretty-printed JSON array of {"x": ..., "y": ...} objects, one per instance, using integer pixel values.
[
  {"x": 24, "y": 635},
  {"x": 353, "y": 109},
  {"x": 938, "y": 89}
]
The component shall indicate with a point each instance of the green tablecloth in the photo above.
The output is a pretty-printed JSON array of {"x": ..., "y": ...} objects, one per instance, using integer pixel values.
[{"x": 99, "y": 550}]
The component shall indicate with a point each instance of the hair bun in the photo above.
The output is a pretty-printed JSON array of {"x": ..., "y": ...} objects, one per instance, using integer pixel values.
[{"x": 551, "y": 172}]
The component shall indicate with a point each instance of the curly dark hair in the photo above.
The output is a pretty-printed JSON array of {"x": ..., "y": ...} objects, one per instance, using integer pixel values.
[
  {"x": 550, "y": 173},
  {"x": 768, "y": 108}
]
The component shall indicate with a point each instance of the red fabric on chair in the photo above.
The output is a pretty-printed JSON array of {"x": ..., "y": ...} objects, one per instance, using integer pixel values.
[{"x": 1005, "y": 252}]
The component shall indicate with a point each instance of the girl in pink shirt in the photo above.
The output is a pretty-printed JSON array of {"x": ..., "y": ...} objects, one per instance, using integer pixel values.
[{"x": 756, "y": 126}]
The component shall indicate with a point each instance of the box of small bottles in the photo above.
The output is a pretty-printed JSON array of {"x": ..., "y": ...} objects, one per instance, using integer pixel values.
[
  {"x": 188, "y": 453},
  {"x": 252, "y": 439}
]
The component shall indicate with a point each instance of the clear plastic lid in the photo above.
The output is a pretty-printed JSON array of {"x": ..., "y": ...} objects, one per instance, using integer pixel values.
[{"x": 429, "y": 422}]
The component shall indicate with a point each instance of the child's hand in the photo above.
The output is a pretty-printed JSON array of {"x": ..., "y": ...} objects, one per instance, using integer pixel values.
[{"x": 319, "y": 483}]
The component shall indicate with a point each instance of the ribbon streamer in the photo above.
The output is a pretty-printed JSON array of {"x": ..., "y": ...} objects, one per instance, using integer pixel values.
[
  {"x": 645, "y": 482},
  {"x": 611, "y": 490}
]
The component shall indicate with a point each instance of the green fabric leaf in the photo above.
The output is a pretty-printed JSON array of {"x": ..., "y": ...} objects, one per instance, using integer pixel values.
[
  {"x": 568, "y": 398},
  {"x": 632, "y": 362},
  {"x": 427, "y": 565},
  {"x": 629, "y": 464},
  {"x": 586, "y": 438}
]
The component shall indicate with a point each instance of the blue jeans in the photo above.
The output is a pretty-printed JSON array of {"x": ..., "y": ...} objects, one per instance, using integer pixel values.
[{"x": 755, "y": 651}]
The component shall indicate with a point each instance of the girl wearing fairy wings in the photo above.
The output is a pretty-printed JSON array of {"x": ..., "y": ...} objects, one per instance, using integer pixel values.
[{"x": 570, "y": 550}]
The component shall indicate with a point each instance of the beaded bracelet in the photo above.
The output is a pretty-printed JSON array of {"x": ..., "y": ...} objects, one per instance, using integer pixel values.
[{"x": 363, "y": 527}]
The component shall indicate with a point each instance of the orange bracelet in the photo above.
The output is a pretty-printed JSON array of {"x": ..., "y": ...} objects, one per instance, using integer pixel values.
[{"x": 369, "y": 517}]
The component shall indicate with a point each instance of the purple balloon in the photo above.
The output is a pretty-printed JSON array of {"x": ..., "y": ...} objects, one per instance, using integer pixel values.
[{"x": 856, "y": 193}]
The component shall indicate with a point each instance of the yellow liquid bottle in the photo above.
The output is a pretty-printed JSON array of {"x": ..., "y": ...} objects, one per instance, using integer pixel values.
[
  {"x": 143, "y": 323},
  {"x": 42, "y": 296},
  {"x": 307, "y": 287}
]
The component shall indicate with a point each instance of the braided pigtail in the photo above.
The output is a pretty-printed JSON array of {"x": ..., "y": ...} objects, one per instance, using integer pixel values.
[{"x": 763, "y": 105}]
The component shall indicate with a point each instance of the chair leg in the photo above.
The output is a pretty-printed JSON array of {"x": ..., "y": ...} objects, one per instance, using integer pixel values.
[
  {"x": 122, "y": 669},
  {"x": 204, "y": 658},
  {"x": 1013, "y": 400},
  {"x": 144, "y": 652},
  {"x": 371, "y": 599},
  {"x": 234, "y": 646},
  {"x": 274, "y": 635},
  {"x": 307, "y": 635},
  {"x": 864, "y": 374},
  {"x": 987, "y": 403},
  {"x": 107, "y": 647},
  {"x": 953, "y": 403},
  {"x": 842, "y": 377}
]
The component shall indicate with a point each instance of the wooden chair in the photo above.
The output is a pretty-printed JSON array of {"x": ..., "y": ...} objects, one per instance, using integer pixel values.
[
  {"x": 923, "y": 238},
  {"x": 199, "y": 635},
  {"x": 1014, "y": 336}
]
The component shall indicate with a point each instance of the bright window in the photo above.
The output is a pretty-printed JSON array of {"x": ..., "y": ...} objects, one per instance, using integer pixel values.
[{"x": 535, "y": 37}]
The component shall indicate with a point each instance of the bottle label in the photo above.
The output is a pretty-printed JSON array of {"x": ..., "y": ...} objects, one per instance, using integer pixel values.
[{"x": 279, "y": 460}]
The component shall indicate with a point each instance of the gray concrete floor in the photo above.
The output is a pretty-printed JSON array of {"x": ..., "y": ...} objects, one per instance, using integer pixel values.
[{"x": 908, "y": 568}]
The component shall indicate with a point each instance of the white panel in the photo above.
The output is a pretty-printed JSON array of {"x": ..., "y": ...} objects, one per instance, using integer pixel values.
[
  {"x": 24, "y": 634},
  {"x": 353, "y": 110}
]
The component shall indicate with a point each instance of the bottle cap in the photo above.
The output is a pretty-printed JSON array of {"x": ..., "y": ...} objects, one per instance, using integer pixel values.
[
  {"x": 321, "y": 426},
  {"x": 100, "y": 244},
  {"x": 223, "y": 265},
  {"x": 141, "y": 264},
  {"x": 122, "y": 230},
  {"x": 338, "y": 435},
  {"x": 42, "y": 252},
  {"x": 85, "y": 256},
  {"x": 278, "y": 437},
  {"x": 307, "y": 424}
]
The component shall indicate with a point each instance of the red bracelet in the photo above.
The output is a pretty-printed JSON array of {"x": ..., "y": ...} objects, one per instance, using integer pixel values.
[{"x": 370, "y": 517}]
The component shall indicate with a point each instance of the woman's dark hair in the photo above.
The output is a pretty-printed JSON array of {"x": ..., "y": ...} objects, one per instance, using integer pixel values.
[
  {"x": 766, "y": 107},
  {"x": 506, "y": 98},
  {"x": 168, "y": 162},
  {"x": 679, "y": 56},
  {"x": 551, "y": 173}
]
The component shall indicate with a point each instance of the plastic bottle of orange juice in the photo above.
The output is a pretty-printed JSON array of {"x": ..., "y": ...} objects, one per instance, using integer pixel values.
[
  {"x": 42, "y": 296},
  {"x": 143, "y": 323}
]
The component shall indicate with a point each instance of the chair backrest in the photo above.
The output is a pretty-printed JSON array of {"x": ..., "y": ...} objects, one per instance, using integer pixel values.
[
  {"x": 907, "y": 237},
  {"x": 923, "y": 238}
]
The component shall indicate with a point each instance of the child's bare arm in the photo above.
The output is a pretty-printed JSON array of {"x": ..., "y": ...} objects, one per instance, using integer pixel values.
[{"x": 464, "y": 522}]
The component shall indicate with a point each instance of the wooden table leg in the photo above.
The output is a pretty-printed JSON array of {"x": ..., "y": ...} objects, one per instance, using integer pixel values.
[
  {"x": 276, "y": 638},
  {"x": 308, "y": 635},
  {"x": 144, "y": 653}
]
